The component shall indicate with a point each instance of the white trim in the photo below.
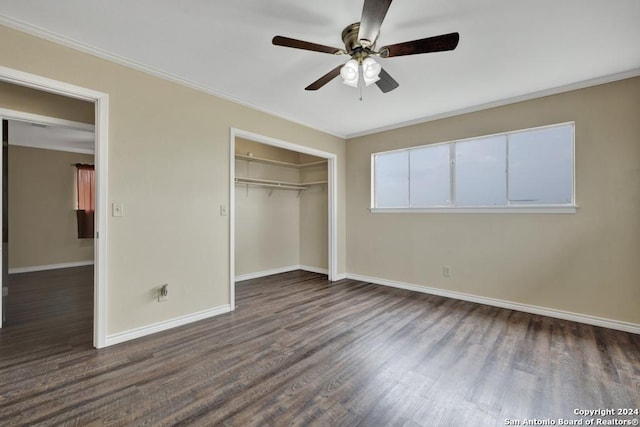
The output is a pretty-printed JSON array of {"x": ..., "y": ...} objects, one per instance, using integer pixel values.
[
  {"x": 100, "y": 53},
  {"x": 332, "y": 189},
  {"x": 281, "y": 144},
  {"x": 510, "y": 305},
  {"x": 332, "y": 178},
  {"x": 55, "y": 148},
  {"x": 484, "y": 209},
  {"x": 609, "y": 78},
  {"x": 264, "y": 273},
  {"x": 23, "y": 116},
  {"x": 101, "y": 106},
  {"x": 143, "y": 331},
  {"x": 313, "y": 269},
  {"x": 280, "y": 270},
  {"x": 569, "y": 208},
  {"x": 101, "y": 214},
  {"x": 483, "y": 136},
  {"x": 18, "y": 270},
  {"x": 48, "y": 85},
  {"x": 232, "y": 218}
]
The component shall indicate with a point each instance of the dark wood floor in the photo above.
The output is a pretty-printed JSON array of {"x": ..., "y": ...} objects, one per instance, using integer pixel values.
[
  {"x": 302, "y": 351},
  {"x": 52, "y": 295}
]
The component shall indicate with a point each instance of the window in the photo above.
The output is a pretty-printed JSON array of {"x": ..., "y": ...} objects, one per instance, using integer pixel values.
[
  {"x": 392, "y": 173},
  {"x": 85, "y": 175},
  {"x": 430, "y": 176},
  {"x": 480, "y": 166},
  {"x": 526, "y": 170}
]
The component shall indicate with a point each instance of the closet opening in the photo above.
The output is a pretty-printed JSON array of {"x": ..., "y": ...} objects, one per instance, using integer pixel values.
[{"x": 283, "y": 209}]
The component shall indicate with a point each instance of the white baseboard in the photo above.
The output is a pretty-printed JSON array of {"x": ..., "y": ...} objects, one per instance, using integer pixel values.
[
  {"x": 143, "y": 331},
  {"x": 265, "y": 273},
  {"x": 49, "y": 267},
  {"x": 543, "y": 311},
  {"x": 340, "y": 276},
  {"x": 312, "y": 269},
  {"x": 279, "y": 270}
]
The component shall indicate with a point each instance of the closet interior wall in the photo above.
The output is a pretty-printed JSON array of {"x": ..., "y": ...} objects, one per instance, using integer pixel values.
[{"x": 281, "y": 210}]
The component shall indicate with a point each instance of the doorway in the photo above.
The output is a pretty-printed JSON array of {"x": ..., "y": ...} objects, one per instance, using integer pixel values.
[
  {"x": 48, "y": 264},
  {"x": 101, "y": 105},
  {"x": 330, "y": 185}
]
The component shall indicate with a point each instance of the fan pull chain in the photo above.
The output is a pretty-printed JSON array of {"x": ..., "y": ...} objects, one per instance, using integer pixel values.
[{"x": 360, "y": 80}]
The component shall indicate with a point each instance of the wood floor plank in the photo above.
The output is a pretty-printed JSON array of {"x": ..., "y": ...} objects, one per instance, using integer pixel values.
[{"x": 302, "y": 351}]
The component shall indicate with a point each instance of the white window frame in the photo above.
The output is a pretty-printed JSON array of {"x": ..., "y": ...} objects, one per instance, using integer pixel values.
[{"x": 569, "y": 208}]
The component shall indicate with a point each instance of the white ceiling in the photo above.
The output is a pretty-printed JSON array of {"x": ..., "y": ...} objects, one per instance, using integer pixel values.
[
  {"x": 509, "y": 49},
  {"x": 51, "y": 137}
]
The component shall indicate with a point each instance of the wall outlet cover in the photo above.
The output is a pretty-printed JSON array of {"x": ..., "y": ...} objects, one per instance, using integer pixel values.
[
  {"x": 446, "y": 271},
  {"x": 117, "y": 209}
]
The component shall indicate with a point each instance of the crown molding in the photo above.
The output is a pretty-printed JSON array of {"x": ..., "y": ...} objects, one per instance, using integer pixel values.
[
  {"x": 609, "y": 78},
  {"x": 109, "y": 56},
  {"x": 42, "y": 33}
]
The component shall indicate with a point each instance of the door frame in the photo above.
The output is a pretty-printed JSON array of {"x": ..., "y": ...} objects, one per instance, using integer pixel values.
[
  {"x": 332, "y": 186},
  {"x": 101, "y": 107}
]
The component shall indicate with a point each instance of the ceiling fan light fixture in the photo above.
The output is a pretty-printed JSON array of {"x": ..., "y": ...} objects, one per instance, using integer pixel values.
[
  {"x": 370, "y": 71},
  {"x": 349, "y": 73}
]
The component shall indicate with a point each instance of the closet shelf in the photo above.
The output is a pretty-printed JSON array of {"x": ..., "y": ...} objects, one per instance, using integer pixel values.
[
  {"x": 278, "y": 162},
  {"x": 271, "y": 184}
]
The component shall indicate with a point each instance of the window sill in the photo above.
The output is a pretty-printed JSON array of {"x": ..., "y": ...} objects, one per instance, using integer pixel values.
[{"x": 484, "y": 209}]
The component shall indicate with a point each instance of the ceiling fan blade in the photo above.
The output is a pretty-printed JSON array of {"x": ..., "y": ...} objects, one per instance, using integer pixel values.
[
  {"x": 386, "y": 82},
  {"x": 373, "y": 13},
  {"x": 325, "y": 79},
  {"x": 430, "y": 44},
  {"x": 300, "y": 44}
]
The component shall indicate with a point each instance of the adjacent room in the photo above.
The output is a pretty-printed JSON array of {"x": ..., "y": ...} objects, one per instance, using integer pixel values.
[{"x": 345, "y": 213}]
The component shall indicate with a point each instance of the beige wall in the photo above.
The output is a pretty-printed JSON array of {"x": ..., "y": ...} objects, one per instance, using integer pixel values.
[
  {"x": 168, "y": 165},
  {"x": 267, "y": 230},
  {"x": 586, "y": 263},
  {"x": 265, "y": 151},
  {"x": 314, "y": 232},
  {"x": 33, "y": 101},
  {"x": 42, "y": 198},
  {"x": 267, "y": 227},
  {"x": 314, "y": 217}
]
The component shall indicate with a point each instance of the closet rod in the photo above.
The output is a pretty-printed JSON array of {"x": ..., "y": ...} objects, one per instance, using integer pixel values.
[{"x": 262, "y": 184}]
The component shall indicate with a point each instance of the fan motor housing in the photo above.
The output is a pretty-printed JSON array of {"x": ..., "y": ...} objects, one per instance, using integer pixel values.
[{"x": 350, "y": 39}]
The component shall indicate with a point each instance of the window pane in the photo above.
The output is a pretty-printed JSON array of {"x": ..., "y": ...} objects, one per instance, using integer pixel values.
[
  {"x": 392, "y": 180},
  {"x": 480, "y": 172},
  {"x": 430, "y": 176},
  {"x": 541, "y": 166}
]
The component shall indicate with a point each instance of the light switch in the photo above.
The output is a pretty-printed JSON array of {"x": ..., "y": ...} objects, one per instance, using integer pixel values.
[
  {"x": 223, "y": 210},
  {"x": 117, "y": 209}
]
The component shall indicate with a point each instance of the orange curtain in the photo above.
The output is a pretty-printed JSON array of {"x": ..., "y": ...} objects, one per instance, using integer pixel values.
[
  {"x": 86, "y": 201},
  {"x": 86, "y": 188}
]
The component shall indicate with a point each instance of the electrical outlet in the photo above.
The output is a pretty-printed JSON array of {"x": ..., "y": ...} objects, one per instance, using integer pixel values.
[
  {"x": 163, "y": 293},
  {"x": 5, "y": 291},
  {"x": 446, "y": 271}
]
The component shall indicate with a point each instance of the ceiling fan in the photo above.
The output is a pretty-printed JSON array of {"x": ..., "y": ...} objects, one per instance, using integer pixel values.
[{"x": 360, "y": 43}]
